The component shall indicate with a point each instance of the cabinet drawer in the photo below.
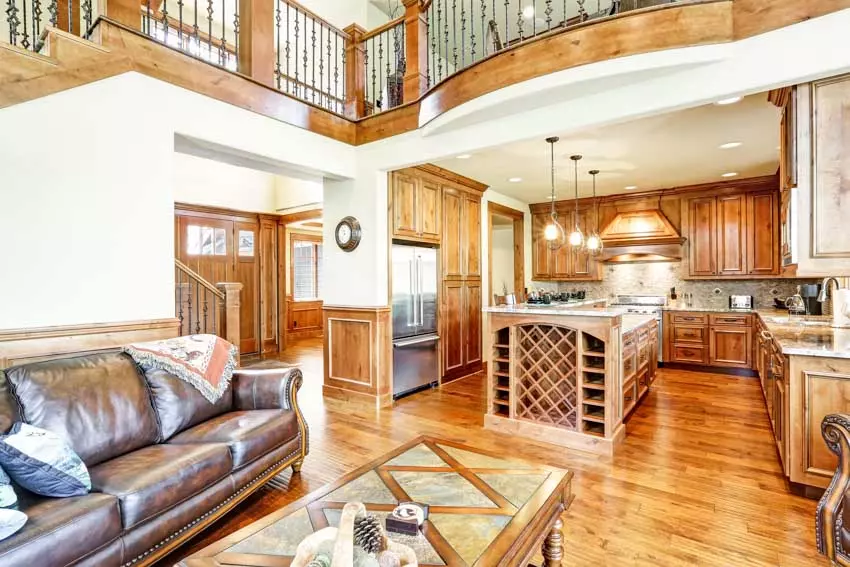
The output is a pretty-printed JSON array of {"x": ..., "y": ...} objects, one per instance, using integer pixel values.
[
  {"x": 630, "y": 394},
  {"x": 695, "y": 335},
  {"x": 731, "y": 320},
  {"x": 690, "y": 318},
  {"x": 690, "y": 353},
  {"x": 628, "y": 340},
  {"x": 643, "y": 355},
  {"x": 629, "y": 363}
]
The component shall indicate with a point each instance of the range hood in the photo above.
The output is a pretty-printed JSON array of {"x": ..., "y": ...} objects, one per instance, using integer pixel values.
[{"x": 641, "y": 236}]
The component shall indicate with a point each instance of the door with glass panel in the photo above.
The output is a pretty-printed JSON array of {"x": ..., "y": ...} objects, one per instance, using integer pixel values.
[{"x": 222, "y": 250}]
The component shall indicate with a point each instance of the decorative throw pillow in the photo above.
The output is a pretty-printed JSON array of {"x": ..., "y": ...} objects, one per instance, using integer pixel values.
[
  {"x": 10, "y": 522},
  {"x": 42, "y": 462},
  {"x": 8, "y": 498}
]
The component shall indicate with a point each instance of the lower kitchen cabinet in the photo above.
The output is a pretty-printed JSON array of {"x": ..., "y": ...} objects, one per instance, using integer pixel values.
[
  {"x": 716, "y": 339},
  {"x": 461, "y": 328},
  {"x": 731, "y": 346}
]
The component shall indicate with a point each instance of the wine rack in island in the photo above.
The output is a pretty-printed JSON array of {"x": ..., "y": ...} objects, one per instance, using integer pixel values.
[{"x": 556, "y": 381}]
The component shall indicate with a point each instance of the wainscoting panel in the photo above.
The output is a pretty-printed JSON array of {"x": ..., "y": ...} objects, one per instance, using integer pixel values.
[
  {"x": 20, "y": 346},
  {"x": 358, "y": 354}
]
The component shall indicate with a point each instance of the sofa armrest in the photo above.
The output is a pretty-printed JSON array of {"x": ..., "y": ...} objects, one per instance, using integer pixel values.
[
  {"x": 828, "y": 520},
  {"x": 266, "y": 389}
]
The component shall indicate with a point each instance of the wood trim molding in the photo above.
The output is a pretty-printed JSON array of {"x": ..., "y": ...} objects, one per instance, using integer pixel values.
[
  {"x": 358, "y": 354},
  {"x": 19, "y": 346},
  {"x": 518, "y": 218},
  {"x": 311, "y": 214},
  {"x": 449, "y": 175}
]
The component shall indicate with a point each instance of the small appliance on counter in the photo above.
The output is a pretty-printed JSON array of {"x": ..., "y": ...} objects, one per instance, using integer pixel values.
[
  {"x": 741, "y": 302},
  {"x": 809, "y": 293}
]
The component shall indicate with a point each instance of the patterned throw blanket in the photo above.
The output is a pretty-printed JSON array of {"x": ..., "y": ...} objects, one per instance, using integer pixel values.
[{"x": 204, "y": 361}]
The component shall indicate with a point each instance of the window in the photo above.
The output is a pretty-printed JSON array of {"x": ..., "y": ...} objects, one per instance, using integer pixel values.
[
  {"x": 206, "y": 240},
  {"x": 306, "y": 267}
]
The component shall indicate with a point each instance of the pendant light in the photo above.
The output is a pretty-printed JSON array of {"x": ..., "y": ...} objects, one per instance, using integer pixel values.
[
  {"x": 593, "y": 244},
  {"x": 554, "y": 233},
  {"x": 576, "y": 236}
]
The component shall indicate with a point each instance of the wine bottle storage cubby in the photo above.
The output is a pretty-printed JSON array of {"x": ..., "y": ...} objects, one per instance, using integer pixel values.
[
  {"x": 593, "y": 385},
  {"x": 501, "y": 372}
]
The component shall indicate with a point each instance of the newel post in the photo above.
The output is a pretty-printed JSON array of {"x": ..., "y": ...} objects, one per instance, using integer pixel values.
[
  {"x": 355, "y": 72},
  {"x": 416, "y": 49},
  {"x": 126, "y": 12},
  {"x": 231, "y": 305},
  {"x": 256, "y": 40}
]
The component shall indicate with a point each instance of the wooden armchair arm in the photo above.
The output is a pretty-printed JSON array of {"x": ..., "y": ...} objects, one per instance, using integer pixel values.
[{"x": 828, "y": 521}]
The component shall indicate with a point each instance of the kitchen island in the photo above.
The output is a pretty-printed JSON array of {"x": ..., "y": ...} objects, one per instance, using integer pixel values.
[{"x": 568, "y": 374}]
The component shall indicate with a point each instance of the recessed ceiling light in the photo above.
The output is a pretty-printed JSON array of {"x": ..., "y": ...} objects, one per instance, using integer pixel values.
[
  {"x": 630, "y": 187},
  {"x": 730, "y": 174},
  {"x": 464, "y": 156},
  {"x": 730, "y": 100},
  {"x": 730, "y": 145},
  {"x": 528, "y": 12},
  {"x": 515, "y": 179}
]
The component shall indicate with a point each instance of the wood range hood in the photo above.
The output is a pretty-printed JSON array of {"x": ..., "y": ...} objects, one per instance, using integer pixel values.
[{"x": 641, "y": 236}]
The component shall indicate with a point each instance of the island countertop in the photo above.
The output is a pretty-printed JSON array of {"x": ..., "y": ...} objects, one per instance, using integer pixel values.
[
  {"x": 810, "y": 336},
  {"x": 573, "y": 308},
  {"x": 632, "y": 321}
]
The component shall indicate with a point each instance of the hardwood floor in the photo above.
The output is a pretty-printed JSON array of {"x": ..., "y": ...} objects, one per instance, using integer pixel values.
[{"x": 696, "y": 482}]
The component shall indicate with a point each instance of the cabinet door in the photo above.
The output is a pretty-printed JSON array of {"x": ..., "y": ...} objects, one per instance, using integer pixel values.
[
  {"x": 562, "y": 258},
  {"x": 763, "y": 233},
  {"x": 451, "y": 338},
  {"x": 472, "y": 323},
  {"x": 404, "y": 204},
  {"x": 541, "y": 256},
  {"x": 268, "y": 285},
  {"x": 452, "y": 243},
  {"x": 730, "y": 346},
  {"x": 731, "y": 240},
  {"x": 471, "y": 235},
  {"x": 429, "y": 210},
  {"x": 702, "y": 232}
]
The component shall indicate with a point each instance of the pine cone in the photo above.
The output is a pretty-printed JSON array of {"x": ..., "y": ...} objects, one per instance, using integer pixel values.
[{"x": 368, "y": 533}]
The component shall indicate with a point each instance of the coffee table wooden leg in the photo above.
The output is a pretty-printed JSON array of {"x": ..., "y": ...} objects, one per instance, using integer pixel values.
[{"x": 553, "y": 546}]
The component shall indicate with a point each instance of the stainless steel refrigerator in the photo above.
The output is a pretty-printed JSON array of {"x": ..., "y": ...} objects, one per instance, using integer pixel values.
[{"x": 415, "y": 340}]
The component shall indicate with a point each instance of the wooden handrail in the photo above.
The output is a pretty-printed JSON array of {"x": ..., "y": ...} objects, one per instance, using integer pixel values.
[
  {"x": 381, "y": 29},
  {"x": 198, "y": 278}
]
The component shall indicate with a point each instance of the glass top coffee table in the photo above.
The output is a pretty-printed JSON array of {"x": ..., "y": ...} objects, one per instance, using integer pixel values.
[{"x": 486, "y": 510}]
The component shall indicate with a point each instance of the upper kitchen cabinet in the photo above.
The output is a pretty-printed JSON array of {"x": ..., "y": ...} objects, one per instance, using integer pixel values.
[
  {"x": 733, "y": 235},
  {"x": 565, "y": 263},
  {"x": 461, "y": 243},
  {"x": 416, "y": 206}
]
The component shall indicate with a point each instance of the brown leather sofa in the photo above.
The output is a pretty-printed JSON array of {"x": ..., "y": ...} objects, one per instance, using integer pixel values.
[{"x": 164, "y": 462}]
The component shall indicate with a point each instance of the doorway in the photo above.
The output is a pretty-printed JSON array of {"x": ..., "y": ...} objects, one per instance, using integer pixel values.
[{"x": 506, "y": 253}]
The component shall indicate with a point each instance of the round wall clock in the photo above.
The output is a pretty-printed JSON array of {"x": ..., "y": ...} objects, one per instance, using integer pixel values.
[{"x": 348, "y": 234}]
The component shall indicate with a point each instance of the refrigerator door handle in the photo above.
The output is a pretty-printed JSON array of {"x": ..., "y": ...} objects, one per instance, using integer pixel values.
[
  {"x": 412, "y": 312},
  {"x": 419, "y": 293}
]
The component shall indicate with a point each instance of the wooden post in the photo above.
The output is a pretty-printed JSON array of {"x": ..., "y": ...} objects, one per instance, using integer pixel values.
[
  {"x": 355, "y": 72},
  {"x": 416, "y": 40},
  {"x": 62, "y": 13},
  {"x": 232, "y": 303},
  {"x": 126, "y": 12},
  {"x": 256, "y": 40}
]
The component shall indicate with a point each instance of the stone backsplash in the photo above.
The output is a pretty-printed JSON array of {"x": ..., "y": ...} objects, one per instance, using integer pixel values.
[{"x": 658, "y": 277}]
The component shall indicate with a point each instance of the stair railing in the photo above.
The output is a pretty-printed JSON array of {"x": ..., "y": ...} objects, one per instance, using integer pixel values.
[
  {"x": 22, "y": 22},
  {"x": 206, "y": 308}
]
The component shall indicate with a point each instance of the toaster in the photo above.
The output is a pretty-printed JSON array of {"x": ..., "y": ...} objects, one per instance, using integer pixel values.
[{"x": 741, "y": 302}]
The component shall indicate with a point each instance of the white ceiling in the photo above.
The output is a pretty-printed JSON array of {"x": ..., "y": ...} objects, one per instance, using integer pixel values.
[{"x": 669, "y": 150}]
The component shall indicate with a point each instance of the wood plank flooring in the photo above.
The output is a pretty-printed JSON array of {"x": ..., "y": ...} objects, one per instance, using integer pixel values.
[{"x": 696, "y": 482}]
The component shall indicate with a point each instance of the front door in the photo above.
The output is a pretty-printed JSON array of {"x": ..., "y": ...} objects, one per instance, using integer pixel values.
[{"x": 222, "y": 250}]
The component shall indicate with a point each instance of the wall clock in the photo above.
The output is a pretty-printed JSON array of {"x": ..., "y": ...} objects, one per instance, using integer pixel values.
[{"x": 348, "y": 234}]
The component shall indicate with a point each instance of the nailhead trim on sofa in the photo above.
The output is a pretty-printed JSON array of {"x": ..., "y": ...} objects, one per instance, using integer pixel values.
[{"x": 213, "y": 510}]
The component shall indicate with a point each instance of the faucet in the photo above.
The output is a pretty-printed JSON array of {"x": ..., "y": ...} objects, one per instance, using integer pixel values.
[{"x": 824, "y": 290}]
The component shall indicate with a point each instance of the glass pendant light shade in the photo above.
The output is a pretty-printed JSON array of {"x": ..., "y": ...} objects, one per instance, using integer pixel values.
[
  {"x": 553, "y": 233},
  {"x": 593, "y": 244},
  {"x": 576, "y": 237}
]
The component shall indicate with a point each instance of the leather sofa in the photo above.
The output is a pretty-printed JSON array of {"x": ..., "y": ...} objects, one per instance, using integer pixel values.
[{"x": 164, "y": 462}]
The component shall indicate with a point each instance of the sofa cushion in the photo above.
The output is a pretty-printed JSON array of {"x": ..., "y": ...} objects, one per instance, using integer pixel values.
[
  {"x": 153, "y": 479},
  {"x": 100, "y": 403},
  {"x": 249, "y": 434},
  {"x": 180, "y": 405},
  {"x": 60, "y": 531},
  {"x": 8, "y": 406}
]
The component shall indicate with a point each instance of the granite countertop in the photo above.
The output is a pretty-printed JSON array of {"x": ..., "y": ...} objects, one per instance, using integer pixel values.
[
  {"x": 697, "y": 308},
  {"x": 632, "y": 321},
  {"x": 572, "y": 308},
  {"x": 806, "y": 336}
]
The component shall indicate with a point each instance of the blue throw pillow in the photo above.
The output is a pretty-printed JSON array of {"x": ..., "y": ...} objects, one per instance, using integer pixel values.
[
  {"x": 8, "y": 498},
  {"x": 10, "y": 522},
  {"x": 42, "y": 462}
]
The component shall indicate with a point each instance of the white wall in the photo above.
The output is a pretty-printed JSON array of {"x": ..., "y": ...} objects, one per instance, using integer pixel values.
[
  {"x": 292, "y": 194},
  {"x": 201, "y": 181},
  {"x": 502, "y": 247}
]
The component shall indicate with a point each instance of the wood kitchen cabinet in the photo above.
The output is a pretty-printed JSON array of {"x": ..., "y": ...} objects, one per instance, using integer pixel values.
[
  {"x": 709, "y": 339},
  {"x": 416, "y": 207},
  {"x": 734, "y": 235},
  {"x": 564, "y": 264},
  {"x": 730, "y": 346}
]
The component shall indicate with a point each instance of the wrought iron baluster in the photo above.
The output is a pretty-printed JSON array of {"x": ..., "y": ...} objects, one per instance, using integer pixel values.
[
  {"x": 462, "y": 35},
  {"x": 519, "y": 22},
  {"x": 429, "y": 40},
  {"x": 25, "y": 38},
  {"x": 438, "y": 56},
  {"x": 236, "y": 31},
  {"x": 548, "y": 12},
  {"x": 179, "y": 299},
  {"x": 454, "y": 34},
  {"x": 206, "y": 295},
  {"x": 189, "y": 305},
  {"x": 343, "y": 75},
  {"x": 196, "y": 30},
  {"x": 214, "y": 311},
  {"x": 366, "y": 70},
  {"x": 390, "y": 87},
  {"x": 297, "y": 28},
  {"x": 287, "y": 48},
  {"x": 210, "y": 12},
  {"x": 313, "y": 59},
  {"x": 379, "y": 96},
  {"x": 53, "y": 10},
  {"x": 582, "y": 13},
  {"x": 329, "y": 100},
  {"x": 277, "y": 20},
  {"x": 180, "y": 22},
  {"x": 36, "y": 21},
  {"x": 304, "y": 59},
  {"x": 222, "y": 60},
  {"x": 446, "y": 33},
  {"x": 197, "y": 307},
  {"x": 336, "y": 72},
  {"x": 507, "y": 24},
  {"x": 164, "y": 14},
  {"x": 70, "y": 17},
  {"x": 564, "y": 22},
  {"x": 483, "y": 28}
]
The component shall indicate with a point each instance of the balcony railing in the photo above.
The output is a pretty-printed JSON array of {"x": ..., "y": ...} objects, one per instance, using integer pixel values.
[{"x": 353, "y": 72}]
